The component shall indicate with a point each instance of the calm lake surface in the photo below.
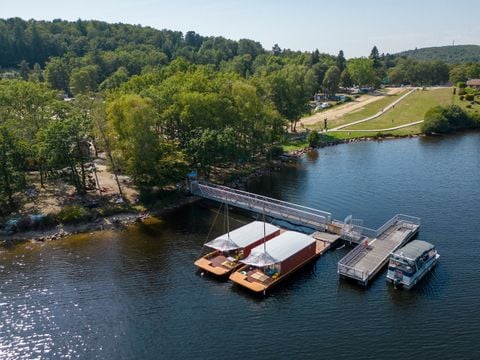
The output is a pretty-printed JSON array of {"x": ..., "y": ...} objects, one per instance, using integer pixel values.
[{"x": 135, "y": 294}]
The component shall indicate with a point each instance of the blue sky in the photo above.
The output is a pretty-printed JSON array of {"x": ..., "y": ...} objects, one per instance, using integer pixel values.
[{"x": 351, "y": 25}]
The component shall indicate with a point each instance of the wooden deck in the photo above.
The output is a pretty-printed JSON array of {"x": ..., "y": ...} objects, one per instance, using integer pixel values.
[
  {"x": 217, "y": 265},
  {"x": 254, "y": 279},
  {"x": 369, "y": 257}
]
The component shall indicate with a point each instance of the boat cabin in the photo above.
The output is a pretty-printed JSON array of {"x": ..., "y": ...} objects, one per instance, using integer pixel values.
[
  {"x": 270, "y": 262},
  {"x": 410, "y": 263},
  {"x": 235, "y": 245}
]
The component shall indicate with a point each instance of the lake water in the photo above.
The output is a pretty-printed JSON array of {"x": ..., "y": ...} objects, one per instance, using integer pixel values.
[{"x": 135, "y": 294}]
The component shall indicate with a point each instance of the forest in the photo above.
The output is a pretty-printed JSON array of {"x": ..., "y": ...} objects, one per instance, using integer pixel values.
[{"x": 160, "y": 103}]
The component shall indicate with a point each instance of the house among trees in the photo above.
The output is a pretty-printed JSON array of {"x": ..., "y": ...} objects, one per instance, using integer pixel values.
[{"x": 474, "y": 83}]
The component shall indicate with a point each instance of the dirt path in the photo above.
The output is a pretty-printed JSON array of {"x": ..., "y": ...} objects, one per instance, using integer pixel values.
[
  {"x": 340, "y": 111},
  {"x": 380, "y": 130}
]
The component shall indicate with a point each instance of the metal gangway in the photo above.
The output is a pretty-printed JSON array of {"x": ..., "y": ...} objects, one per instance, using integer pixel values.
[{"x": 290, "y": 212}]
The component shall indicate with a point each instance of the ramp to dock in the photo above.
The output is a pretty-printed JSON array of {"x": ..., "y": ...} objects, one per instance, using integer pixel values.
[
  {"x": 293, "y": 213},
  {"x": 372, "y": 254}
]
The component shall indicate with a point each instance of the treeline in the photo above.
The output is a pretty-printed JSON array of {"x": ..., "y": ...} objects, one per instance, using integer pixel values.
[
  {"x": 37, "y": 41},
  {"x": 451, "y": 54},
  {"x": 160, "y": 103}
]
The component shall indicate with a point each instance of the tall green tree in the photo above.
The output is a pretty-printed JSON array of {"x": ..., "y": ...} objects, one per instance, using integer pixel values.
[
  {"x": 148, "y": 159},
  {"x": 331, "y": 81},
  {"x": 362, "y": 72},
  {"x": 290, "y": 92},
  {"x": 12, "y": 168},
  {"x": 64, "y": 144},
  {"x": 341, "y": 61},
  {"x": 346, "y": 79},
  {"x": 375, "y": 57},
  {"x": 24, "y": 70},
  {"x": 57, "y": 74}
]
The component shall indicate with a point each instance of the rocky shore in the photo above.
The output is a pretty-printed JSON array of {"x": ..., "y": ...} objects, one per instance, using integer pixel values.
[{"x": 111, "y": 222}]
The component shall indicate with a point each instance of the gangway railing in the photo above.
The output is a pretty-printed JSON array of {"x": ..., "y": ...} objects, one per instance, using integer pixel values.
[{"x": 301, "y": 215}]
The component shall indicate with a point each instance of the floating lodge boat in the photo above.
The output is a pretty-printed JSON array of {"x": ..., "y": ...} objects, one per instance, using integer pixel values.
[
  {"x": 233, "y": 246},
  {"x": 410, "y": 263},
  {"x": 272, "y": 261}
]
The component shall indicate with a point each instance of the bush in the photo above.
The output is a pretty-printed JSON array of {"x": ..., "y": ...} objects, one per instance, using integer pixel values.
[
  {"x": 73, "y": 214},
  {"x": 461, "y": 92},
  {"x": 461, "y": 98},
  {"x": 45, "y": 222},
  {"x": 313, "y": 138},
  {"x": 435, "y": 121},
  {"x": 275, "y": 151},
  {"x": 446, "y": 119},
  {"x": 469, "y": 106},
  {"x": 469, "y": 97},
  {"x": 461, "y": 85}
]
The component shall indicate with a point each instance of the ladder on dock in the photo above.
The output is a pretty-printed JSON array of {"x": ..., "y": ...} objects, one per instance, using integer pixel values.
[
  {"x": 293, "y": 213},
  {"x": 372, "y": 254}
]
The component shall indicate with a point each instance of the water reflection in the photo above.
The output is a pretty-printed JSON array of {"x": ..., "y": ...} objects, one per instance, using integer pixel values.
[{"x": 136, "y": 293}]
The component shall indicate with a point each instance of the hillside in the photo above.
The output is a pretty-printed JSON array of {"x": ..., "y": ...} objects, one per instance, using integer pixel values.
[{"x": 448, "y": 54}]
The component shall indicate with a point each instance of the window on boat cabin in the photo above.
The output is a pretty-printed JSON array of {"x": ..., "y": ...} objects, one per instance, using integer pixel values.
[
  {"x": 271, "y": 270},
  {"x": 401, "y": 264}
]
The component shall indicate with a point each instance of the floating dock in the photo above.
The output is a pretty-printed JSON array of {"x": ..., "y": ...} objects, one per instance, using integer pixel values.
[
  {"x": 372, "y": 254},
  {"x": 373, "y": 246}
]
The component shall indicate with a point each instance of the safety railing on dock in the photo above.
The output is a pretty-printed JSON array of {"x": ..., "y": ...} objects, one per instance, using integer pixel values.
[
  {"x": 354, "y": 265},
  {"x": 410, "y": 222},
  {"x": 345, "y": 267}
]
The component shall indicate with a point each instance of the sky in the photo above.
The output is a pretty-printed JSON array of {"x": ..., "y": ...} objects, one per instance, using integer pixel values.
[{"x": 353, "y": 26}]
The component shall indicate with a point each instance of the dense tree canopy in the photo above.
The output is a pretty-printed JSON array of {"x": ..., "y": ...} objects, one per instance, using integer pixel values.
[{"x": 160, "y": 102}]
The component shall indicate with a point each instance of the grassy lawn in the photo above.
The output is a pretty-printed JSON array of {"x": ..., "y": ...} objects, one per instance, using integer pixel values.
[
  {"x": 293, "y": 145},
  {"x": 369, "y": 109},
  {"x": 412, "y": 108},
  {"x": 362, "y": 113}
]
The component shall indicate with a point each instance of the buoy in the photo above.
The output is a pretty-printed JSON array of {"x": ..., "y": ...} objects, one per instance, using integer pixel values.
[{"x": 202, "y": 273}]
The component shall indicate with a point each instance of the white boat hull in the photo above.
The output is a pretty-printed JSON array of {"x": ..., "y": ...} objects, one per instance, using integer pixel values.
[{"x": 407, "y": 282}]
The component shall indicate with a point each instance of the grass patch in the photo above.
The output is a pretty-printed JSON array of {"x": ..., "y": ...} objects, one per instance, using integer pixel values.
[
  {"x": 294, "y": 145},
  {"x": 412, "y": 108},
  {"x": 370, "y": 109},
  {"x": 362, "y": 113}
]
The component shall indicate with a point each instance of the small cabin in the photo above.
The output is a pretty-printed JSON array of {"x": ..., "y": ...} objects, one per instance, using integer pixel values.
[
  {"x": 474, "y": 83},
  {"x": 246, "y": 237},
  {"x": 287, "y": 251}
]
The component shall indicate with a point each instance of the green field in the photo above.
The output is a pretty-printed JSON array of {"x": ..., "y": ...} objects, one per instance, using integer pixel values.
[
  {"x": 411, "y": 109},
  {"x": 362, "y": 113},
  {"x": 368, "y": 110}
]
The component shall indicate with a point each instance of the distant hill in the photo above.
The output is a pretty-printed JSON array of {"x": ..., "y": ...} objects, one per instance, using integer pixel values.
[{"x": 449, "y": 54}]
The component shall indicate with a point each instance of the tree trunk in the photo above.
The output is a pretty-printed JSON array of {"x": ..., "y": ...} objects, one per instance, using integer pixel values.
[
  {"x": 6, "y": 177},
  {"x": 110, "y": 157}
]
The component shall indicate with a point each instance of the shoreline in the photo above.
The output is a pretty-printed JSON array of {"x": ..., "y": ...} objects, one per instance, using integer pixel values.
[{"x": 123, "y": 220}]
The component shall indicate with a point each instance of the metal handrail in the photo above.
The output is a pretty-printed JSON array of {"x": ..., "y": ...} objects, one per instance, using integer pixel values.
[
  {"x": 306, "y": 209},
  {"x": 253, "y": 200}
]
